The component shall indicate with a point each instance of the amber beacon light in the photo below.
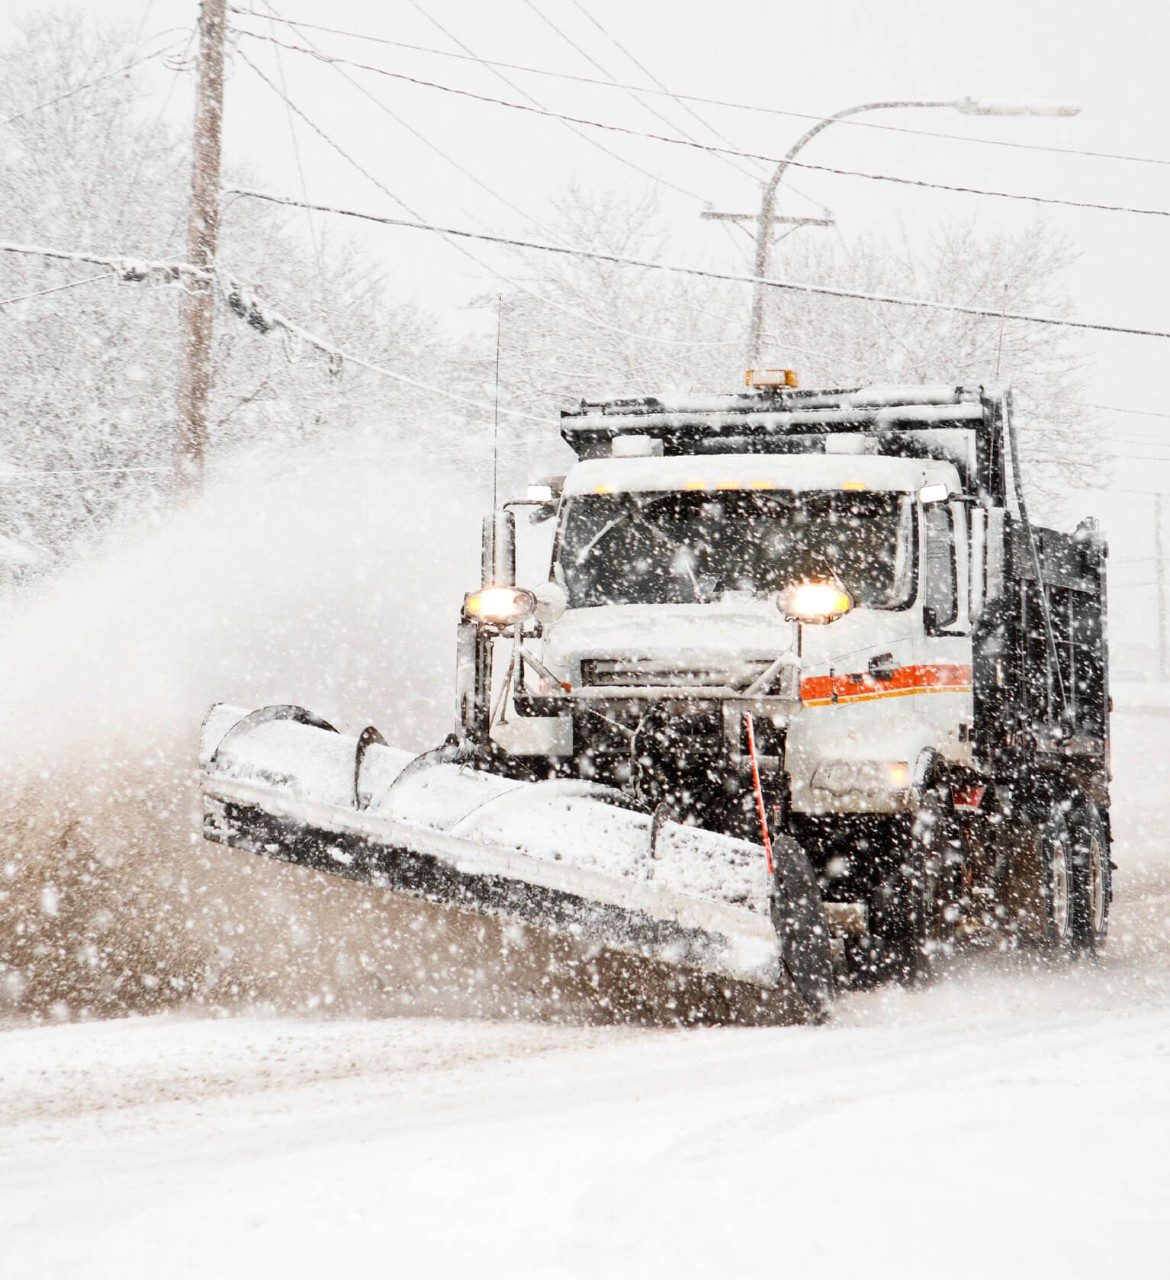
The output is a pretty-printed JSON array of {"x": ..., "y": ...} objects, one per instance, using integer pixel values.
[{"x": 769, "y": 379}]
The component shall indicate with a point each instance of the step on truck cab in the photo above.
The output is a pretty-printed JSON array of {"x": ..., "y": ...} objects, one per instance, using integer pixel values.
[{"x": 824, "y": 614}]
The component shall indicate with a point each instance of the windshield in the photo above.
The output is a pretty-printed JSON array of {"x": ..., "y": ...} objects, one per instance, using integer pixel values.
[{"x": 692, "y": 547}]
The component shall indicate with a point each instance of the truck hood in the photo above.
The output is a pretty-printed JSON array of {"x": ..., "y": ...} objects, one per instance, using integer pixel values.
[{"x": 716, "y": 636}]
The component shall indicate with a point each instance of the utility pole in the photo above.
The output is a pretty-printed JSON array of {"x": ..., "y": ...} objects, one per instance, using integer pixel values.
[
  {"x": 1160, "y": 571},
  {"x": 202, "y": 237}
]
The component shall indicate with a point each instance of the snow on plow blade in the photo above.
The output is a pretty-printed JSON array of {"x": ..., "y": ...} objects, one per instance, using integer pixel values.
[{"x": 550, "y": 855}]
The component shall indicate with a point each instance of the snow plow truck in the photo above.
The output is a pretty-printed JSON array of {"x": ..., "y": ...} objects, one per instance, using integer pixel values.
[{"x": 803, "y": 699}]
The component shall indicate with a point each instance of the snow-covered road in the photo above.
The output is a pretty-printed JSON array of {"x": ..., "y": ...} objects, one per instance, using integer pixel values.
[{"x": 1005, "y": 1122}]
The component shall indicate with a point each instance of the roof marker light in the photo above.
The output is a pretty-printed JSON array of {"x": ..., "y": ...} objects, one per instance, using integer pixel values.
[
  {"x": 636, "y": 446},
  {"x": 769, "y": 379}
]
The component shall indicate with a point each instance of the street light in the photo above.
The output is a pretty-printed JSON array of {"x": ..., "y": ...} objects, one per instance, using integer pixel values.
[
  {"x": 766, "y": 217},
  {"x": 1015, "y": 107}
]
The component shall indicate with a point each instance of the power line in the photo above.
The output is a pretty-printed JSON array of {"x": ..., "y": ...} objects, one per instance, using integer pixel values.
[
  {"x": 405, "y": 124},
  {"x": 836, "y": 170},
  {"x": 245, "y": 303},
  {"x": 331, "y": 141},
  {"x": 90, "y": 84},
  {"x": 318, "y": 259},
  {"x": 439, "y": 151},
  {"x": 17, "y": 473},
  {"x": 1142, "y": 413},
  {"x": 57, "y": 288},
  {"x": 537, "y": 105},
  {"x": 635, "y": 96},
  {"x": 715, "y": 102},
  {"x": 466, "y": 252},
  {"x": 345, "y": 155},
  {"x": 127, "y": 268},
  {"x": 639, "y": 95},
  {"x": 631, "y": 93},
  {"x": 994, "y": 313},
  {"x": 645, "y": 70}
]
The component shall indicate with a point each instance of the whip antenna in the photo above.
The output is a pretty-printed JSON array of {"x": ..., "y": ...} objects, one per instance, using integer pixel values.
[{"x": 1002, "y": 320}]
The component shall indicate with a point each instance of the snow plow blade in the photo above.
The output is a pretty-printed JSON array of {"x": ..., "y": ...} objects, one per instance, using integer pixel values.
[{"x": 559, "y": 857}]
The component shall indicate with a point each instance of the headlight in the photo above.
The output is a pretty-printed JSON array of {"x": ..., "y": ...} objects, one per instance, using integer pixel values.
[
  {"x": 812, "y": 601},
  {"x": 499, "y": 606}
]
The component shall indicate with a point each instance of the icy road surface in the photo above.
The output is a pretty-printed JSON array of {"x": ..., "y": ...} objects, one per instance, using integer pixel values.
[{"x": 1005, "y": 1122}]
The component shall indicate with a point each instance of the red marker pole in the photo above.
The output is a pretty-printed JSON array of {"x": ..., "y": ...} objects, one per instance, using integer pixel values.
[{"x": 751, "y": 746}]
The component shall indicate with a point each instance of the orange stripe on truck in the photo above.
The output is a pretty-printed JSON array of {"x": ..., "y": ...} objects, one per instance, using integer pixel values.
[{"x": 938, "y": 677}]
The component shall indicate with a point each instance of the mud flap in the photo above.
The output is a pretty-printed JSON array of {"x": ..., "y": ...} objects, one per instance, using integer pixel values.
[{"x": 798, "y": 914}]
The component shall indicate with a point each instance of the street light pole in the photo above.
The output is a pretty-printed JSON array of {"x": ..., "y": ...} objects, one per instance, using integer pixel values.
[{"x": 766, "y": 218}]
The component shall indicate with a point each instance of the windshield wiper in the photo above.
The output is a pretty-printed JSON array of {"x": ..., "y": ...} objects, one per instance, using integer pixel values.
[
  {"x": 639, "y": 518},
  {"x": 636, "y": 515},
  {"x": 632, "y": 512}
]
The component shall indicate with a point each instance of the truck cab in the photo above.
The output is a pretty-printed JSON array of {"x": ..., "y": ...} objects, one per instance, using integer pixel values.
[{"x": 689, "y": 582}]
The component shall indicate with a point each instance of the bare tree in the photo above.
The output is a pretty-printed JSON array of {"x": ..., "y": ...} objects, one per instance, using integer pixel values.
[{"x": 87, "y": 401}]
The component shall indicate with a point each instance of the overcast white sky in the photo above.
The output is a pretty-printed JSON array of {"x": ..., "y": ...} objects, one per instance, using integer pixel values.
[{"x": 814, "y": 57}]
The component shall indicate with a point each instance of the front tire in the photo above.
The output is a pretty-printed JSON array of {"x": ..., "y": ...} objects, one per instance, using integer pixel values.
[{"x": 912, "y": 911}]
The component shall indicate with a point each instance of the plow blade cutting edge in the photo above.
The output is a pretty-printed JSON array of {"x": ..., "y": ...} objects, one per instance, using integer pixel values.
[{"x": 558, "y": 857}]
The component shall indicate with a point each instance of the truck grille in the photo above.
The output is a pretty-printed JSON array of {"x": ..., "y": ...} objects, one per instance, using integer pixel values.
[{"x": 612, "y": 673}]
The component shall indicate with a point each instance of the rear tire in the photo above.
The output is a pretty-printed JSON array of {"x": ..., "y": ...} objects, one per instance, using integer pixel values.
[
  {"x": 1092, "y": 880},
  {"x": 1056, "y": 850}
]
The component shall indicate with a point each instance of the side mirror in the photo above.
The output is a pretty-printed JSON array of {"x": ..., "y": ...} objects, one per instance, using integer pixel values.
[
  {"x": 551, "y": 602},
  {"x": 542, "y": 498},
  {"x": 995, "y": 549},
  {"x": 977, "y": 520}
]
